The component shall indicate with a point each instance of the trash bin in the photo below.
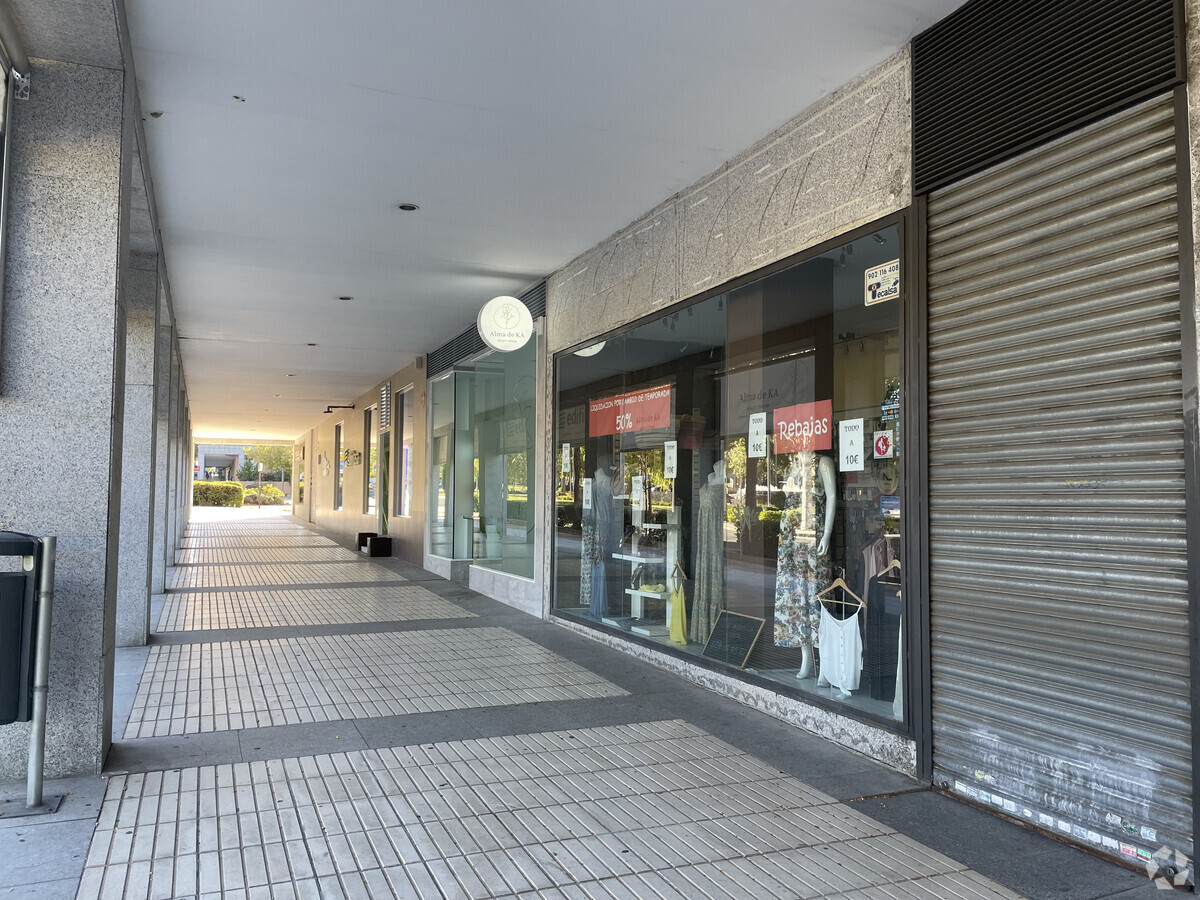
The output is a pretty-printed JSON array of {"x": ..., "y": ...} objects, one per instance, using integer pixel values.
[{"x": 18, "y": 620}]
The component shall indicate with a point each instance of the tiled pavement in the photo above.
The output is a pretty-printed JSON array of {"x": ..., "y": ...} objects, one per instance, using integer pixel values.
[
  {"x": 195, "y": 611},
  {"x": 366, "y": 730}
]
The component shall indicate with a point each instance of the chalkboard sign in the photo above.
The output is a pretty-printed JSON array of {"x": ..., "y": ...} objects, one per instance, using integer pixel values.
[{"x": 732, "y": 638}]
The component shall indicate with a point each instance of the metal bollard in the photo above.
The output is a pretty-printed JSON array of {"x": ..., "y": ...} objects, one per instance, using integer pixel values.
[{"x": 41, "y": 676}]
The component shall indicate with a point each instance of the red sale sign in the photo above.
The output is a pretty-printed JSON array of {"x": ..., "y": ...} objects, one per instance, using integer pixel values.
[
  {"x": 805, "y": 426},
  {"x": 636, "y": 411}
]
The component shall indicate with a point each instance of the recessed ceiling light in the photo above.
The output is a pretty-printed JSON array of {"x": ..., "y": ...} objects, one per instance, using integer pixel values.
[
  {"x": 277, "y": 395},
  {"x": 157, "y": 114},
  {"x": 312, "y": 345},
  {"x": 345, "y": 297},
  {"x": 239, "y": 99},
  {"x": 290, "y": 375},
  {"x": 408, "y": 207}
]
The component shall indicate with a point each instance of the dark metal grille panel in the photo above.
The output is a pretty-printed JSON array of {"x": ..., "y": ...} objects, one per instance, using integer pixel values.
[
  {"x": 1058, "y": 551},
  {"x": 997, "y": 77},
  {"x": 469, "y": 343}
]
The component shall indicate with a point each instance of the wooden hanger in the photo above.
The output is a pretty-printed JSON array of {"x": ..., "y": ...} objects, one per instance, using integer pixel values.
[
  {"x": 839, "y": 582},
  {"x": 894, "y": 564},
  {"x": 678, "y": 573}
]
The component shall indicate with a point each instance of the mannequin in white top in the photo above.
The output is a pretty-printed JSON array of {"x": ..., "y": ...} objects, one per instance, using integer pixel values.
[{"x": 717, "y": 476}]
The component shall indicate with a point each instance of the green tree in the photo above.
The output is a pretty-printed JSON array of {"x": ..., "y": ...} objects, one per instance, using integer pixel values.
[
  {"x": 248, "y": 470},
  {"x": 735, "y": 460},
  {"x": 274, "y": 457}
]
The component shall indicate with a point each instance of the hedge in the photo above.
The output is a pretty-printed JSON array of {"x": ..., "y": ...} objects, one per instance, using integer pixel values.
[
  {"x": 217, "y": 493},
  {"x": 271, "y": 496}
]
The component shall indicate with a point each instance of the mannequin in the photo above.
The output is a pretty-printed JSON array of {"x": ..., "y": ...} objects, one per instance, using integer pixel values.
[
  {"x": 710, "y": 557},
  {"x": 717, "y": 476},
  {"x": 804, "y": 568},
  {"x": 597, "y": 543}
]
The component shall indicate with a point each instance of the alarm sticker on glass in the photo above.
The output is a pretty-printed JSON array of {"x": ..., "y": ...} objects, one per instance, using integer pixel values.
[
  {"x": 670, "y": 458},
  {"x": 587, "y": 493}
]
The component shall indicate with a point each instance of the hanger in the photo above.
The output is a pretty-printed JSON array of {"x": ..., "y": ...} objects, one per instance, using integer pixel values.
[
  {"x": 894, "y": 564},
  {"x": 678, "y": 573},
  {"x": 840, "y": 582}
]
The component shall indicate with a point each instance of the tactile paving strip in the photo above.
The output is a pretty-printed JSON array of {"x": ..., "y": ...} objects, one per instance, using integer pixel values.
[
  {"x": 185, "y": 578},
  {"x": 218, "y": 610},
  {"x": 204, "y": 687},
  {"x": 258, "y": 555}
]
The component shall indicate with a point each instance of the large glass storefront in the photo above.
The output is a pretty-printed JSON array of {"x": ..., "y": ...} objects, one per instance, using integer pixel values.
[
  {"x": 728, "y": 479},
  {"x": 482, "y": 432}
]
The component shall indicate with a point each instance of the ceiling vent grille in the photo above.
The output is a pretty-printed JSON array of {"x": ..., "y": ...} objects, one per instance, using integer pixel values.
[
  {"x": 1001, "y": 76},
  {"x": 469, "y": 343}
]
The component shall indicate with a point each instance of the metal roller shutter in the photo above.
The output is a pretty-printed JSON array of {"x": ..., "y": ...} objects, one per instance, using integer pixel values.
[{"x": 1058, "y": 555}]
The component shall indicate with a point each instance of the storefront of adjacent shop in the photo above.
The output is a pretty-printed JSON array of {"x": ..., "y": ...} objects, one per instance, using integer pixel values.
[
  {"x": 909, "y": 468},
  {"x": 484, "y": 415}
]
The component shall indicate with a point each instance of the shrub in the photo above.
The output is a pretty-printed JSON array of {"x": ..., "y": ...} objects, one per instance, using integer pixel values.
[
  {"x": 770, "y": 515},
  {"x": 217, "y": 493},
  {"x": 271, "y": 495}
]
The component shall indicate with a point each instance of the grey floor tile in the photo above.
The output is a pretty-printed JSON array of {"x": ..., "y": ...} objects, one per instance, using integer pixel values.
[{"x": 299, "y": 740}]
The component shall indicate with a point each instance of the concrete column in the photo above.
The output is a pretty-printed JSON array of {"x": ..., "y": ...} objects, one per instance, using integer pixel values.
[
  {"x": 162, "y": 411},
  {"x": 137, "y": 478},
  {"x": 173, "y": 461},
  {"x": 62, "y": 388}
]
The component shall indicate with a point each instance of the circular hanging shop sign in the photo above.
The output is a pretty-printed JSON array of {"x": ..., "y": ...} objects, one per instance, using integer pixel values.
[{"x": 505, "y": 324}]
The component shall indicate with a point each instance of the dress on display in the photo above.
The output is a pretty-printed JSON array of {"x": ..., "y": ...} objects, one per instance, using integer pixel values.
[
  {"x": 710, "y": 563},
  {"x": 841, "y": 649},
  {"x": 884, "y": 608},
  {"x": 678, "y": 620},
  {"x": 589, "y": 551},
  {"x": 598, "y": 604},
  {"x": 801, "y": 573},
  {"x": 608, "y": 537}
]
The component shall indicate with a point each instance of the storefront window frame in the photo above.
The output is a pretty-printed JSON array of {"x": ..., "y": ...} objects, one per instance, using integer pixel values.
[
  {"x": 915, "y": 724},
  {"x": 405, "y": 431},
  {"x": 463, "y": 546}
]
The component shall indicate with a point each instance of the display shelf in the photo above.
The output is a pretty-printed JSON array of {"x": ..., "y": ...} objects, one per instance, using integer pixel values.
[
  {"x": 670, "y": 529},
  {"x": 634, "y": 557},
  {"x": 657, "y": 595}
]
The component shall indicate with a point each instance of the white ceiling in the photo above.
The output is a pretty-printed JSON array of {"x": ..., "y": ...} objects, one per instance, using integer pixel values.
[{"x": 526, "y": 130}]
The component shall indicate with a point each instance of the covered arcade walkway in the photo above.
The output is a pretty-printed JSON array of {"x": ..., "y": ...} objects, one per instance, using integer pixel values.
[{"x": 310, "y": 723}]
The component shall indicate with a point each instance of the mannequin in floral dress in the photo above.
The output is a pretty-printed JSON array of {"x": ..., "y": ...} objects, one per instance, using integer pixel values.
[{"x": 804, "y": 568}]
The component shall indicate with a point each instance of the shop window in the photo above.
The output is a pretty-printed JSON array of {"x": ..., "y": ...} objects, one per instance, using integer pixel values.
[
  {"x": 481, "y": 452},
  {"x": 298, "y": 467},
  {"x": 404, "y": 417},
  {"x": 371, "y": 442},
  {"x": 728, "y": 481},
  {"x": 339, "y": 455}
]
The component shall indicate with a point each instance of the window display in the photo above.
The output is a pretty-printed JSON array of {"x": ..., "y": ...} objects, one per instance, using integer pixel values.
[
  {"x": 482, "y": 432},
  {"x": 728, "y": 478}
]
